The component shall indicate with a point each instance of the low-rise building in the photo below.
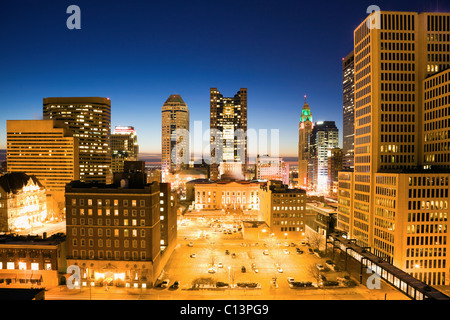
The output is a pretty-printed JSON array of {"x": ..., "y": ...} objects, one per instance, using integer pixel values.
[
  {"x": 32, "y": 261},
  {"x": 283, "y": 210},
  {"x": 23, "y": 202},
  {"x": 227, "y": 194}
]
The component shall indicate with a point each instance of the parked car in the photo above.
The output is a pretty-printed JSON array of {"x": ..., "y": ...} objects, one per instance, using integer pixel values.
[
  {"x": 255, "y": 269},
  {"x": 310, "y": 251},
  {"x": 286, "y": 244},
  {"x": 320, "y": 267},
  {"x": 165, "y": 283},
  {"x": 191, "y": 244},
  {"x": 243, "y": 270},
  {"x": 220, "y": 265},
  {"x": 193, "y": 255},
  {"x": 330, "y": 264},
  {"x": 286, "y": 251},
  {"x": 266, "y": 252},
  {"x": 290, "y": 280},
  {"x": 279, "y": 270},
  {"x": 233, "y": 255},
  {"x": 175, "y": 285},
  {"x": 227, "y": 252},
  {"x": 212, "y": 270}
]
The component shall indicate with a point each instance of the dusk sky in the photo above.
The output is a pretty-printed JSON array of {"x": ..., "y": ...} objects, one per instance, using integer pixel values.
[{"x": 137, "y": 53}]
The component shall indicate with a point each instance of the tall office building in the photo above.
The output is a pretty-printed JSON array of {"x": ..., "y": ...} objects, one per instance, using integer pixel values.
[
  {"x": 324, "y": 136},
  {"x": 396, "y": 201},
  {"x": 304, "y": 131},
  {"x": 89, "y": 118},
  {"x": 348, "y": 132},
  {"x": 335, "y": 159},
  {"x": 228, "y": 124},
  {"x": 47, "y": 150},
  {"x": 124, "y": 147},
  {"x": 175, "y": 135}
]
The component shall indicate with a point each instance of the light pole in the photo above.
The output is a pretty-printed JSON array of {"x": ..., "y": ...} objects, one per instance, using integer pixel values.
[{"x": 229, "y": 279}]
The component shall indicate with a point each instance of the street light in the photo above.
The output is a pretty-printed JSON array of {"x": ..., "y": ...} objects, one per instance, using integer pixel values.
[{"x": 229, "y": 279}]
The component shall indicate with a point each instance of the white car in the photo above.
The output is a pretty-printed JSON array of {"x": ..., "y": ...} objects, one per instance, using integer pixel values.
[
  {"x": 190, "y": 244},
  {"x": 266, "y": 252},
  {"x": 290, "y": 280},
  {"x": 220, "y": 265},
  {"x": 212, "y": 270},
  {"x": 320, "y": 267},
  {"x": 193, "y": 255},
  {"x": 286, "y": 251},
  {"x": 286, "y": 244},
  {"x": 165, "y": 283},
  {"x": 280, "y": 270}
]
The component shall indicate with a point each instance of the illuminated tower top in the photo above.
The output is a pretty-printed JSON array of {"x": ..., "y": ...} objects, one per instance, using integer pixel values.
[{"x": 306, "y": 113}]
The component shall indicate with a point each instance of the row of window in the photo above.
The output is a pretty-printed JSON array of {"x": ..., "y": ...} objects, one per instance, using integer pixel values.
[
  {"x": 107, "y": 202},
  {"x": 107, "y": 212},
  {"x": 99, "y": 221},
  {"x": 116, "y": 232},
  {"x": 426, "y": 240},
  {"x": 127, "y": 255},
  {"x": 24, "y": 266},
  {"x": 108, "y": 243}
]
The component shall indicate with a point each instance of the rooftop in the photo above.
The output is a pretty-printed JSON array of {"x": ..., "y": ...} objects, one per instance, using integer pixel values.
[{"x": 32, "y": 240}]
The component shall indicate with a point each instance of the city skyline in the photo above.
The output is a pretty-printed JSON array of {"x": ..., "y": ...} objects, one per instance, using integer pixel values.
[
  {"x": 317, "y": 168},
  {"x": 276, "y": 70}
]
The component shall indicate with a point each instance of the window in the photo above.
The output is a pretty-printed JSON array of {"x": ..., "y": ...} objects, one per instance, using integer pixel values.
[
  {"x": 22, "y": 266},
  {"x": 142, "y": 203},
  {"x": 34, "y": 266},
  {"x": 125, "y": 203},
  {"x": 47, "y": 266}
]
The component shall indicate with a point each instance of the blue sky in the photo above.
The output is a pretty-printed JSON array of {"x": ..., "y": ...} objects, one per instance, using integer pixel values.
[{"x": 138, "y": 53}]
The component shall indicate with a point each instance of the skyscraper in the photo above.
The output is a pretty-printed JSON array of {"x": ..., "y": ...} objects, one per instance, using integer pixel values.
[
  {"x": 324, "y": 136},
  {"x": 348, "y": 132},
  {"x": 175, "y": 134},
  {"x": 228, "y": 124},
  {"x": 304, "y": 131},
  {"x": 396, "y": 201},
  {"x": 124, "y": 147},
  {"x": 47, "y": 150},
  {"x": 89, "y": 118}
]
